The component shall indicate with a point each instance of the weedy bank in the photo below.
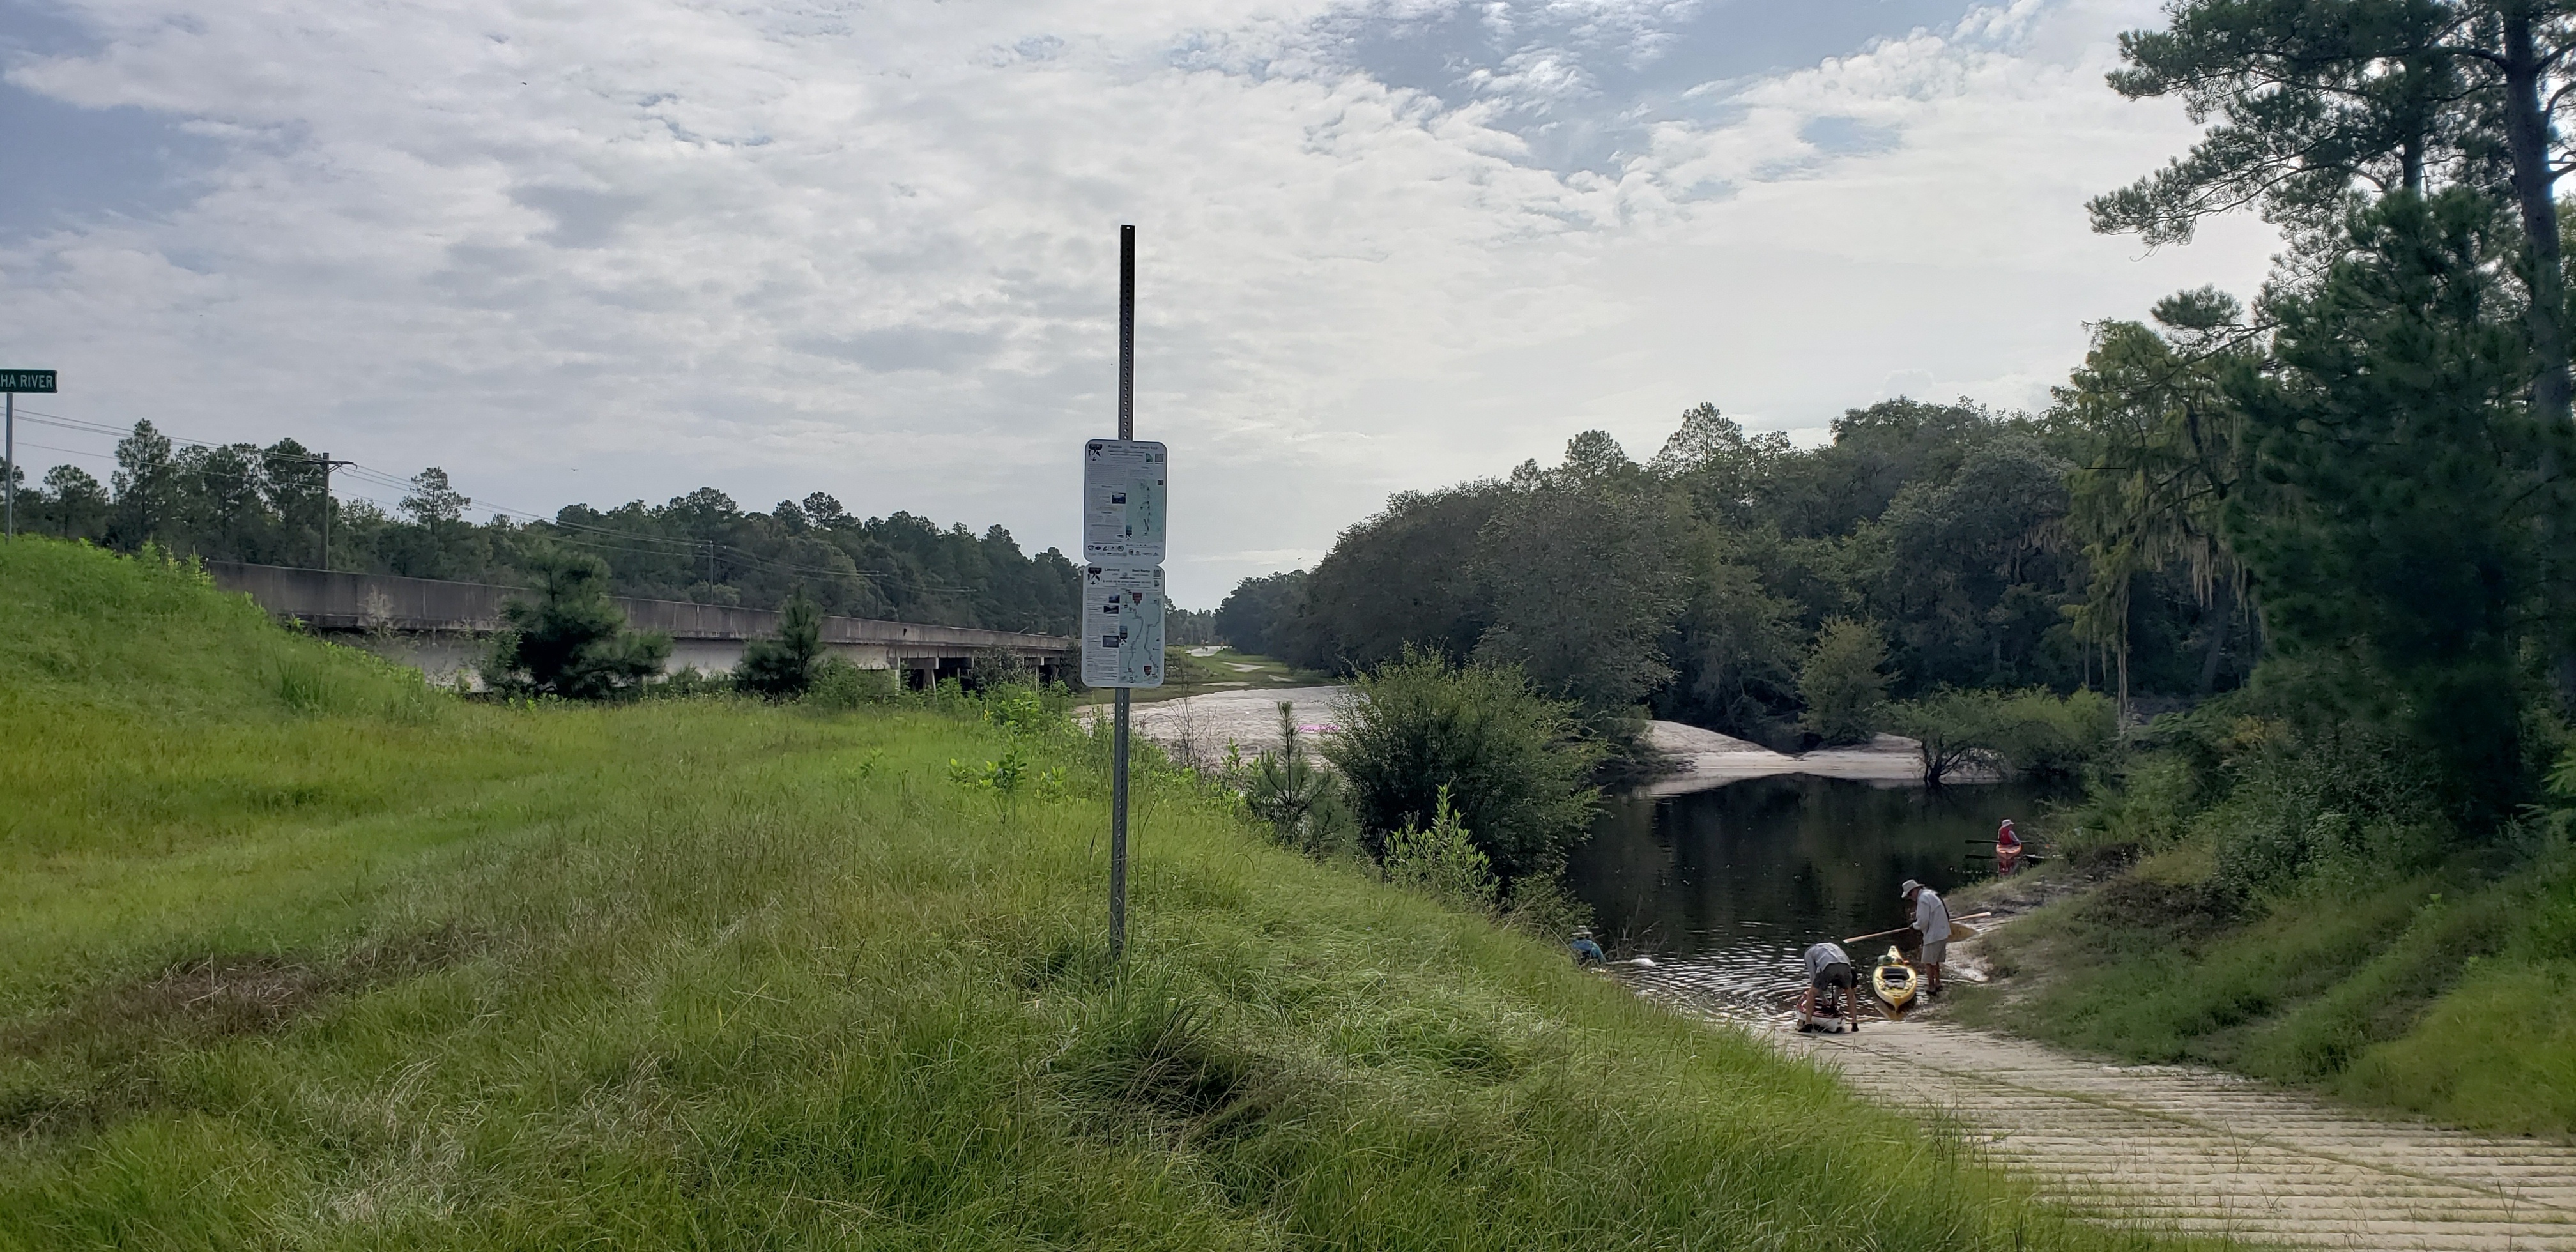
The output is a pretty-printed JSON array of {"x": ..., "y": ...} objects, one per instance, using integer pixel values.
[
  {"x": 2301, "y": 909},
  {"x": 297, "y": 952}
]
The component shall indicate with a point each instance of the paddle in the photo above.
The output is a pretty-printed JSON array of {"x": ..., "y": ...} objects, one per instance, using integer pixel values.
[{"x": 1964, "y": 917}]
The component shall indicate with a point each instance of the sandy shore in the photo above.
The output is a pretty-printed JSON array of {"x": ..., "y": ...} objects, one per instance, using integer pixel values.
[
  {"x": 1204, "y": 725},
  {"x": 1710, "y": 759}
]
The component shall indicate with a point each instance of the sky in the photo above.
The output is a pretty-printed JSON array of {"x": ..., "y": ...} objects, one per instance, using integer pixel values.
[{"x": 621, "y": 249}]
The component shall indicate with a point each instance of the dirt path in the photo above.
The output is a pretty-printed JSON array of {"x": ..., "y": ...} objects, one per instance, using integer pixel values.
[{"x": 2210, "y": 1153}]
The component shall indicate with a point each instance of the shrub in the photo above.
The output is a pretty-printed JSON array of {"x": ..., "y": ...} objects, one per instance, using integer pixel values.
[
  {"x": 1842, "y": 684},
  {"x": 2041, "y": 735},
  {"x": 840, "y": 685},
  {"x": 783, "y": 667},
  {"x": 2024, "y": 732},
  {"x": 1284, "y": 787},
  {"x": 2341, "y": 802},
  {"x": 573, "y": 642},
  {"x": 1441, "y": 861},
  {"x": 1514, "y": 763}
]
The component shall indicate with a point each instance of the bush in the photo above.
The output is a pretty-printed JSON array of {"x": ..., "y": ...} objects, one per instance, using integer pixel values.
[
  {"x": 840, "y": 685},
  {"x": 573, "y": 641},
  {"x": 1284, "y": 787},
  {"x": 2025, "y": 732},
  {"x": 783, "y": 667},
  {"x": 2342, "y": 803},
  {"x": 1842, "y": 684},
  {"x": 1441, "y": 861},
  {"x": 2041, "y": 735},
  {"x": 1514, "y": 763}
]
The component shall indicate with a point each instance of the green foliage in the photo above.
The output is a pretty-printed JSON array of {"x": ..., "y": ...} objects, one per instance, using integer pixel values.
[
  {"x": 718, "y": 973},
  {"x": 2030, "y": 733},
  {"x": 1513, "y": 762},
  {"x": 1581, "y": 580},
  {"x": 1976, "y": 567},
  {"x": 1283, "y": 786},
  {"x": 839, "y": 684},
  {"x": 573, "y": 641},
  {"x": 2311, "y": 102},
  {"x": 2163, "y": 448},
  {"x": 1441, "y": 860},
  {"x": 1404, "y": 576},
  {"x": 785, "y": 666},
  {"x": 1260, "y": 615},
  {"x": 1844, "y": 683},
  {"x": 2389, "y": 515},
  {"x": 1694, "y": 586},
  {"x": 1736, "y": 645},
  {"x": 241, "y": 502}
]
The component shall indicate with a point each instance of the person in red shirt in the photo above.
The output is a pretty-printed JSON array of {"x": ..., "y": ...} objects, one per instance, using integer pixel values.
[{"x": 2007, "y": 848}]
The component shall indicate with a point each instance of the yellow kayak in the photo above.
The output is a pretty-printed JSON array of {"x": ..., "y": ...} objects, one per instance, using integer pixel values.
[{"x": 1893, "y": 980}]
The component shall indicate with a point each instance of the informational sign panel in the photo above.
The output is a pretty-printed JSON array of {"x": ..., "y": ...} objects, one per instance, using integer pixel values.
[
  {"x": 1122, "y": 627},
  {"x": 41, "y": 382},
  {"x": 1123, "y": 497}
]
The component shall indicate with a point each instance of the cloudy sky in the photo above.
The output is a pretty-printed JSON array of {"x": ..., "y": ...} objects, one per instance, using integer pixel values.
[{"x": 610, "y": 249}]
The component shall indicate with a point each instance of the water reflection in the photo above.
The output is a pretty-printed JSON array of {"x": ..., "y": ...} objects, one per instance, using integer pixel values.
[{"x": 1725, "y": 888}]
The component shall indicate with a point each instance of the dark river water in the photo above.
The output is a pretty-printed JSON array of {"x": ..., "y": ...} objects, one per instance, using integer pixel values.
[{"x": 1724, "y": 889}]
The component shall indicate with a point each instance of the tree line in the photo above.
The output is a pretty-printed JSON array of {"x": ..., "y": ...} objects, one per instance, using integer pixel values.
[
  {"x": 1930, "y": 543},
  {"x": 243, "y": 502}
]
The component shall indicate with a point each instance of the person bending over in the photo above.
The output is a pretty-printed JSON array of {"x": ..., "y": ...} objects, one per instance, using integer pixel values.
[
  {"x": 1586, "y": 952},
  {"x": 1828, "y": 966}
]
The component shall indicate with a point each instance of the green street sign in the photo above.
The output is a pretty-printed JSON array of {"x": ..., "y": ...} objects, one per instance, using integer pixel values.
[{"x": 41, "y": 381}]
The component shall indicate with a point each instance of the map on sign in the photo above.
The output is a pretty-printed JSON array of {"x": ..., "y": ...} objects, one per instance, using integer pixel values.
[
  {"x": 1124, "y": 490},
  {"x": 1122, "y": 627},
  {"x": 38, "y": 381}
]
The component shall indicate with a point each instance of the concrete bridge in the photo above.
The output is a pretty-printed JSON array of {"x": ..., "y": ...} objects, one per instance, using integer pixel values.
[{"x": 445, "y": 627}]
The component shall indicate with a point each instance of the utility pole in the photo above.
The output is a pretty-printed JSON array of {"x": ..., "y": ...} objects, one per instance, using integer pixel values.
[
  {"x": 324, "y": 460},
  {"x": 1118, "y": 737}
]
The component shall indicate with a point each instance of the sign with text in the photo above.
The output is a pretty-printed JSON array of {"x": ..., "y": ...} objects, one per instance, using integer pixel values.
[
  {"x": 1123, "y": 496},
  {"x": 1122, "y": 627},
  {"x": 40, "y": 382}
]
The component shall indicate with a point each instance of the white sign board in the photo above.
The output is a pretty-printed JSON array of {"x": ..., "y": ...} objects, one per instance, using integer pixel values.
[
  {"x": 1122, "y": 627},
  {"x": 1123, "y": 497}
]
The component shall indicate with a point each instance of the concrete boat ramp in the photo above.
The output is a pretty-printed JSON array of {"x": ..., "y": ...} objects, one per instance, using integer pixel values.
[{"x": 2200, "y": 1152}]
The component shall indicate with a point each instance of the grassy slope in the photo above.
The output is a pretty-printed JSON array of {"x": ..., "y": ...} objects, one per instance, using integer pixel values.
[
  {"x": 296, "y": 953},
  {"x": 2452, "y": 996}
]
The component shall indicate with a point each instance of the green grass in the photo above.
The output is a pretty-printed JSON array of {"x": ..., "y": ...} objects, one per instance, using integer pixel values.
[
  {"x": 2447, "y": 994},
  {"x": 297, "y": 953}
]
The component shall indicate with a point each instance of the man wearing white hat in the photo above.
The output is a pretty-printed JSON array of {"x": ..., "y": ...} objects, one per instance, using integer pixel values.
[{"x": 1932, "y": 919}]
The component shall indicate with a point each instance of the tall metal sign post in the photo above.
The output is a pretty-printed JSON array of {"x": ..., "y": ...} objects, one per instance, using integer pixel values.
[
  {"x": 39, "y": 382},
  {"x": 1125, "y": 484}
]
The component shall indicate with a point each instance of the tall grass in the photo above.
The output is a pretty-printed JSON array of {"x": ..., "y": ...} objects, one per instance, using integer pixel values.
[{"x": 324, "y": 963}]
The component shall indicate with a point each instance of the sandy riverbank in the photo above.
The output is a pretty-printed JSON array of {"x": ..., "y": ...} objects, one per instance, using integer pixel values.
[{"x": 1204, "y": 725}]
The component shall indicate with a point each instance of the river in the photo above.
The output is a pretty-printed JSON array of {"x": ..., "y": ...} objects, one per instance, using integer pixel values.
[{"x": 1723, "y": 889}]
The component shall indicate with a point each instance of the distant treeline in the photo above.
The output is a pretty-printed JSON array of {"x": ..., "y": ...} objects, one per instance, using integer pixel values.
[
  {"x": 242, "y": 502},
  {"x": 1697, "y": 583}
]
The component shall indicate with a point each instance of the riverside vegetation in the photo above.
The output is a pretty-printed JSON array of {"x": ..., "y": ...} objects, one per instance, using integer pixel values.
[{"x": 299, "y": 951}]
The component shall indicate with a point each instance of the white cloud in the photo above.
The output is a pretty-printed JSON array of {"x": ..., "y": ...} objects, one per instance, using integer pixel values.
[{"x": 871, "y": 250}]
